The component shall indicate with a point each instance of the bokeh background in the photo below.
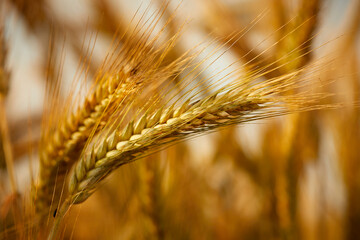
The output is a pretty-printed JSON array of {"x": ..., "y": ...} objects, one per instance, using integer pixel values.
[{"x": 291, "y": 177}]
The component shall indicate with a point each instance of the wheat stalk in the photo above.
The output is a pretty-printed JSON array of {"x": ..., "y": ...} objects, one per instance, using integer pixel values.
[{"x": 151, "y": 197}]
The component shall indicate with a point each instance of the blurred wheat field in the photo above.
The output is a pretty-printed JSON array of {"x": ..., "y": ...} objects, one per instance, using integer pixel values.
[{"x": 234, "y": 119}]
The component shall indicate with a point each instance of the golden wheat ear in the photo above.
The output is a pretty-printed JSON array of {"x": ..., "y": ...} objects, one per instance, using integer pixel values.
[
  {"x": 132, "y": 65},
  {"x": 158, "y": 125}
]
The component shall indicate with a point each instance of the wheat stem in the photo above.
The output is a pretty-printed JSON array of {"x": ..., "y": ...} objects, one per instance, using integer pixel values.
[{"x": 60, "y": 214}]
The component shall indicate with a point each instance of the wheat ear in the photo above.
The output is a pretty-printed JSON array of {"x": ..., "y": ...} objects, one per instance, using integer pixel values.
[
  {"x": 235, "y": 104},
  {"x": 61, "y": 149},
  {"x": 72, "y": 134},
  {"x": 133, "y": 73}
]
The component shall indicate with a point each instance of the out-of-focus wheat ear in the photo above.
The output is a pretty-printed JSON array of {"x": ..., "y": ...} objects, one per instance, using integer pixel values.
[
  {"x": 293, "y": 52},
  {"x": 151, "y": 197},
  {"x": 4, "y": 85},
  {"x": 299, "y": 32},
  {"x": 346, "y": 120},
  {"x": 4, "y": 72},
  {"x": 224, "y": 23},
  {"x": 280, "y": 16},
  {"x": 33, "y": 12},
  {"x": 6, "y": 155},
  {"x": 10, "y": 209}
]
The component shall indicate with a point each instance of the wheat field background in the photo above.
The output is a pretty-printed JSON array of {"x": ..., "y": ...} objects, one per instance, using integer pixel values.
[{"x": 206, "y": 119}]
